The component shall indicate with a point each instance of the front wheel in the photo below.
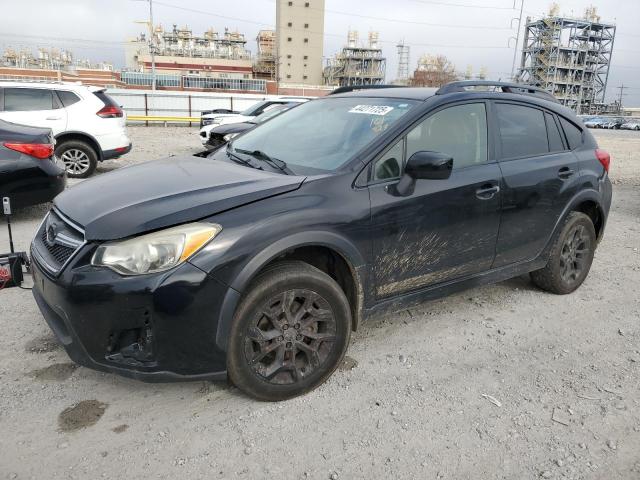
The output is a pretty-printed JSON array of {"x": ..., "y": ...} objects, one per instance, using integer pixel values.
[
  {"x": 289, "y": 333},
  {"x": 570, "y": 258}
]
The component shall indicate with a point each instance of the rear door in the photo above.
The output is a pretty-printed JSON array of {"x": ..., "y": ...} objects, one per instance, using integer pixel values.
[
  {"x": 36, "y": 107},
  {"x": 540, "y": 176}
]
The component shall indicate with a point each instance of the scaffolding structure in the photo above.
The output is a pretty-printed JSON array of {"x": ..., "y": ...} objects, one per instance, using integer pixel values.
[
  {"x": 403, "y": 63},
  {"x": 570, "y": 58},
  {"x": 264, "y": 66},
  {"x": 357, "y": 64}
]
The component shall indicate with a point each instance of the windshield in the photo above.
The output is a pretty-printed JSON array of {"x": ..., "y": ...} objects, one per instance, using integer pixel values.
[
  {"x": 272, "y": 112},
  {"x": 324, "y": 134}
]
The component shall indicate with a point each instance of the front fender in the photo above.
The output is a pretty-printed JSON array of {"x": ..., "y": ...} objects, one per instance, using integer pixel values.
[{"x": 331, "y": 240}]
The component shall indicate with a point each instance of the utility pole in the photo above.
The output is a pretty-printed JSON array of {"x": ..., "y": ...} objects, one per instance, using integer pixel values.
[
  {"x": 152, "y": 47},
  {"x": 515, "y": 48},
  {"x": 622, "y": 88}
]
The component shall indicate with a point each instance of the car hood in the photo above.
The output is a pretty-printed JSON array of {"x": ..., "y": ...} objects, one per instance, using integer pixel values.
[{"x": 164, "y": 193}]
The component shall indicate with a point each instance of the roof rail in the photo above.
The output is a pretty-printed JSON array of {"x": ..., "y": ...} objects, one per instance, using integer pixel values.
[
  {"x": 506, "y": 87},
  {"x": 351, "y": 88},
  {"x": 34, "y": 80}
]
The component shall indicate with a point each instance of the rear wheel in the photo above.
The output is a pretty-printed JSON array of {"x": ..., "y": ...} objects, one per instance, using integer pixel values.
[
  {"x": 79, "y": 158},
  {"x": 289, "y": 333},
  {"x": 570, "y": 258}
]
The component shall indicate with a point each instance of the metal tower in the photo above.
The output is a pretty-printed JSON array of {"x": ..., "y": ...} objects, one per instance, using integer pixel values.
[
  {"x": 403, "y": 62},
  {"x": 570, "y": 58}
]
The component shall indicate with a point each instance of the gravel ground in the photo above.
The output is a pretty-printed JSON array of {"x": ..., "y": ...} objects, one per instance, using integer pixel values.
[{"x": 503, "y": 381}]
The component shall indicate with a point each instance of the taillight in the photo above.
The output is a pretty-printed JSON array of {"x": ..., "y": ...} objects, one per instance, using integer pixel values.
[
  {"x": 38, "y": 150},
  {"x": 604, "y": 158},
  {"x": 110, "y": 111}
]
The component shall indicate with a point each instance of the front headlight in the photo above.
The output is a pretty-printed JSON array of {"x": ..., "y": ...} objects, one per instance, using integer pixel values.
[
  {"x": 229, "y": 136},
  {"x": 156, "y": 251}
]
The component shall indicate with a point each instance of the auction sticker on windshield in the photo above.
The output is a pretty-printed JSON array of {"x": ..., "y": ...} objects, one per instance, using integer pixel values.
[{"x": 371, "y": 109}]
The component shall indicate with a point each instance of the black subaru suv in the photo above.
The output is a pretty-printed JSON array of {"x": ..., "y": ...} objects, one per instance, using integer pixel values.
[{"x": 257, "y": 262}]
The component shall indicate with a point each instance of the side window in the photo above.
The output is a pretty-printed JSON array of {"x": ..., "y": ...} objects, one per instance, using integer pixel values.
[
  {"x": 555, "y": 139},
  {"x": 573, "y": 133},
  {"x": 391, "y": 164},
  {"x": 67, "y": 98},
  {"x": 459, "y": 131},
  {"x": 27, "y": 99},
  {"x": 522, "y": 131}
]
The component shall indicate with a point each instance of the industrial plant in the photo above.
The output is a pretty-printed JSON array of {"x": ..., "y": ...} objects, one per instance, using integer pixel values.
[
  {"x": 569, "y": 57},
  {"x": 357, "y": 64}
]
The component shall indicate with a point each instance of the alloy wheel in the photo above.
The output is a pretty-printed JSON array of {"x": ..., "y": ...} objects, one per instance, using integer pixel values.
[
  {"x": 574, "y": 254},
  {"x": 291, "y": 337},
  {"x": 75, "y": 161}
]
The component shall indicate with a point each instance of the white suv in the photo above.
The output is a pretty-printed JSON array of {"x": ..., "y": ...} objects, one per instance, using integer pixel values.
[
  {"x": 87, "y": 124},
  {"x": 209, "y": 121}
]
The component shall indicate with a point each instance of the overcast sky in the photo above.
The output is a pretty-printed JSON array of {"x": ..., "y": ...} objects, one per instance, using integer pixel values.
[{"x": 469, "y": 32}]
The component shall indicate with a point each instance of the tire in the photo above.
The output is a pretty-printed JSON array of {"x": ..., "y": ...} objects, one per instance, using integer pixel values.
[
  {"x": 79, "y": 158},
  {"x": 272, "y": 358},
  {"x": 570, "y": 257}
]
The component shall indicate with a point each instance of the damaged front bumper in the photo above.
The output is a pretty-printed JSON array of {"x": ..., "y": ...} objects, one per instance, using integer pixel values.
[{"x": 155, "y": 328}]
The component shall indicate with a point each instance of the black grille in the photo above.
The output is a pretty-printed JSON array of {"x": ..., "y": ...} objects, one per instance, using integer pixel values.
[
  {"x": 60, "y": 252},
  {"x": 216, "y": 140},
  {"x": 55, "y": 243}
]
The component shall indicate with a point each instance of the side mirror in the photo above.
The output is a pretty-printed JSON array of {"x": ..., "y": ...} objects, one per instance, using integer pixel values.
[{"x": 429, "y": 166}]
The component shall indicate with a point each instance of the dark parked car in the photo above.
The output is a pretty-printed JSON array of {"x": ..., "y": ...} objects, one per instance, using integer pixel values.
[
  {"x": 259, "y": 261},
  {"x": 29, "y": 173},
  {"x": 219, "y": 136}
]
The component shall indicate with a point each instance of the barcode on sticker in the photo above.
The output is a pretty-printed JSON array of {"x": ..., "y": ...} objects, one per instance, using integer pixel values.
[{"x": 371, "y": 109}]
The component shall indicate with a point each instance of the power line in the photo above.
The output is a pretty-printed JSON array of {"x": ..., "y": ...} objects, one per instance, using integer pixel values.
[
  {"x": 408, "y": 22},
  {"x": 463, "y": 5},
  {"x": 203, "y": 12}
]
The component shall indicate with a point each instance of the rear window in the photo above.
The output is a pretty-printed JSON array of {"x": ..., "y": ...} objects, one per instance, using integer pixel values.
[
  {"x": 573, "y": 133},
  {"x": 555, "y": 139},
  {"x": 522, "y": 131},
  {"x": 27, "y": 99},
  {"x": 67, "y": 98},
  {"x": 106, "y": 99}
]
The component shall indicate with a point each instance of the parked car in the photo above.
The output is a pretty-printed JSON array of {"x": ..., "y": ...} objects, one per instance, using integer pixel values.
[
  {"x": 29, "y": 172},
  {"x": 209, "y": 119},
  {"x": 87, "y": 124},
  {"x": 258, "y": 261},
  {"x": 595, "y": 122},
  {"x": 612, "y": 123},
  {"x": 631, "y": 125},
  {"x": 222, "y": 134}
]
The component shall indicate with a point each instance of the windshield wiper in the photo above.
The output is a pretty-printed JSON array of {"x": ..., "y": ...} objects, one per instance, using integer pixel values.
[
  {"x": 241, "y": 160},
  {"x": 274, "y": 162}
]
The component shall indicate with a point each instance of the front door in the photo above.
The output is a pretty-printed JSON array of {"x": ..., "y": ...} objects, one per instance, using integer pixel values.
[{"x": 444, "y": 229}]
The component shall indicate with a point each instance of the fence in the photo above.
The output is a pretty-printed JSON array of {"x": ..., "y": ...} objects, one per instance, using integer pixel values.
[
  {"x": 179, "y": 104},
  {"x": 194, "y": 81}
]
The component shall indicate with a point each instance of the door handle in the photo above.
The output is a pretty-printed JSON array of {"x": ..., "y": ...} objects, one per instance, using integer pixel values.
[
  {"x": 53, "y": 118},
  {"x": 487, "y": 192},
  {"x": 565, "y": 172}
]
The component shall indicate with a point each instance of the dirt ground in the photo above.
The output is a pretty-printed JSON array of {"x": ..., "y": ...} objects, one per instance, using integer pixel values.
[{"x": 503, "y": 381}]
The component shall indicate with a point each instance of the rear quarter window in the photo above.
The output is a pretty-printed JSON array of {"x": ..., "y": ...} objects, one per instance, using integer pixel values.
[
  {"x": 67, "y": 98},
  {"x": 572, "y": 132}
]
